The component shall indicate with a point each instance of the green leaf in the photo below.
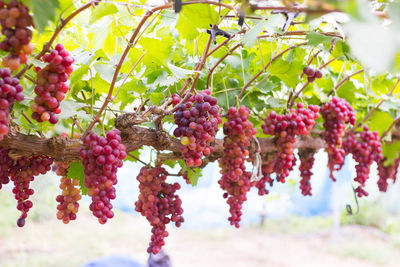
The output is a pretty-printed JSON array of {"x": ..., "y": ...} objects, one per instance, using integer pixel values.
[
  {"x": 346, "y": 91},
  {"x": 170, "y": 163},
  {"x": 102, "y": 10},
  {"x": 156, "y": 98},
  {"x": 43, "y": 12},
  {"x": 135, "y": 153},
  {"x": 315, "y": 39},
  {"x": 75, "y": 170},
  {"x": 179, "y": 72},
  {"x": 195, "y": 17},
  {"x": 250, "y": 37},
  {"x": 380, "y": 121},
  {"x": 391, "y": 151}
]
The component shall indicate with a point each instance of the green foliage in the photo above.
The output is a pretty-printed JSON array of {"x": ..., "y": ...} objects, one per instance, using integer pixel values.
[{"x": 75, "y": 170}]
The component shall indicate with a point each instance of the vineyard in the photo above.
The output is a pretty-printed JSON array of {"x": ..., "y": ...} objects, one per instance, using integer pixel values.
[{"x": 84, "y": 85}]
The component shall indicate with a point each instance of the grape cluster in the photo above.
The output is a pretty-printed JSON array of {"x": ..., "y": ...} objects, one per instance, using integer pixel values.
[
  {"x": 10, "y": 91},
  {"x": 336, "y": 113},
  {"x": 15, "y": 20},
  {"x": 235, "y": 181},
  {"x": 197, "y": 122},
  {"x": 285, "y": 128},
  {"x": 159, "y": 204},
  {"x": 267, "y": 168},
  {"x": 365, "y": 149},
  {"x": 101, "y": 159},
  {"x": 5, "y": 165},
  {"x": 387, "y": 172},
  {"x": 312, "y": 74},
  {"x": 68, "y": 200},
  {"x": 306, "y": 163},
  {"x": 22, "y": 173},
  {"x": 51, "y": 84}
]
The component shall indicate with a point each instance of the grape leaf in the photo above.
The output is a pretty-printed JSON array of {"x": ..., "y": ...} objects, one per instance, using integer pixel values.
[
  {"x": 75, "y": 170},
  {"x": 102, "y": 10},
  {"x": 43, "y": 12}
]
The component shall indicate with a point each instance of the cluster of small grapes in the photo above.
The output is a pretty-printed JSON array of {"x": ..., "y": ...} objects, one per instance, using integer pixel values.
[
  {"x": 387, "y": 172},
  {"x": 71, "y": 194},
  {"x": 15, "y": 20},
  {"x": 159, "y": 204},
  {"x": 101, "y": 159},
  {"x": 312, "y": 74},
  {"x": 285, "y": 128},
  {"x": 197, "y": 122},
  {"x": 50, "y": 85},
  {"x": 5, "y": 165},
  {"x": 238, "y": 132},
  {"x": 365, "y": 150},
  {"x": 10, "y": 91},
  {"x": 22, "y": 173},
  {"x": 306, "y": 163},
  {"x": 267, "y": 168},
  {"x": 336, "y": 113}
]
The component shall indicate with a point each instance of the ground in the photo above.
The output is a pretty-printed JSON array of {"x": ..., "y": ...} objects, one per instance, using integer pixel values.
[{"x": 290, "y": 242}]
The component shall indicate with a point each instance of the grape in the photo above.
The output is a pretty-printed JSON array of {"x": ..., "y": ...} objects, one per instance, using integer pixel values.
[
  {"x": 336, "y": 113},
  {"x": 197, "y": 122},
  {"x": 366, "y": 148},
  {"x": 307, "y": 161},
  {"x": 15, "y": 22},
  {"x": 235, "y": 180},
  {"x": 308, "y": 71},
  {"x": 285, "y": 128},
  {"x": 101, "y": 158},
  {"x": 70, "y": 195},
  {"x": 22, "y": 173},
  {"x": 312, "y": 74},
  {"x": 10, "y": 91},
  {"x": 158, "y": 203},
  {"x": 387, "y": 172},
  {"x": 267, "y": 168},
  {"x": 51, "y": 85}
]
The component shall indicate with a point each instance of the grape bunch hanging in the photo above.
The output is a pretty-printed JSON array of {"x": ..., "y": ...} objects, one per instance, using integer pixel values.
[
  {"x": 101, "y": 158},
  {"x": 197, "y": 122},
  {"x": 387, "y": 172},
  {"x": 22, "y": 173},
  {"x": 158, "y": 202},
  {"x": 267, "y": 169},
  {"x": 336, "y": 113},
  {"x": 70, "y": 195},
  {"x": 235, "y": 181},
  {"x": 285, "y": 128},
  {"x": 306, "y": 163},
  {"x": 15, "y": 22},
  {"x": 366, "y": 148},
  {"x": 51, "y": 84}
]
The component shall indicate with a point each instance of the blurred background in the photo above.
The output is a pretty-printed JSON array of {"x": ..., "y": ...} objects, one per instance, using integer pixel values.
[{"x": 283, "y": 228}]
